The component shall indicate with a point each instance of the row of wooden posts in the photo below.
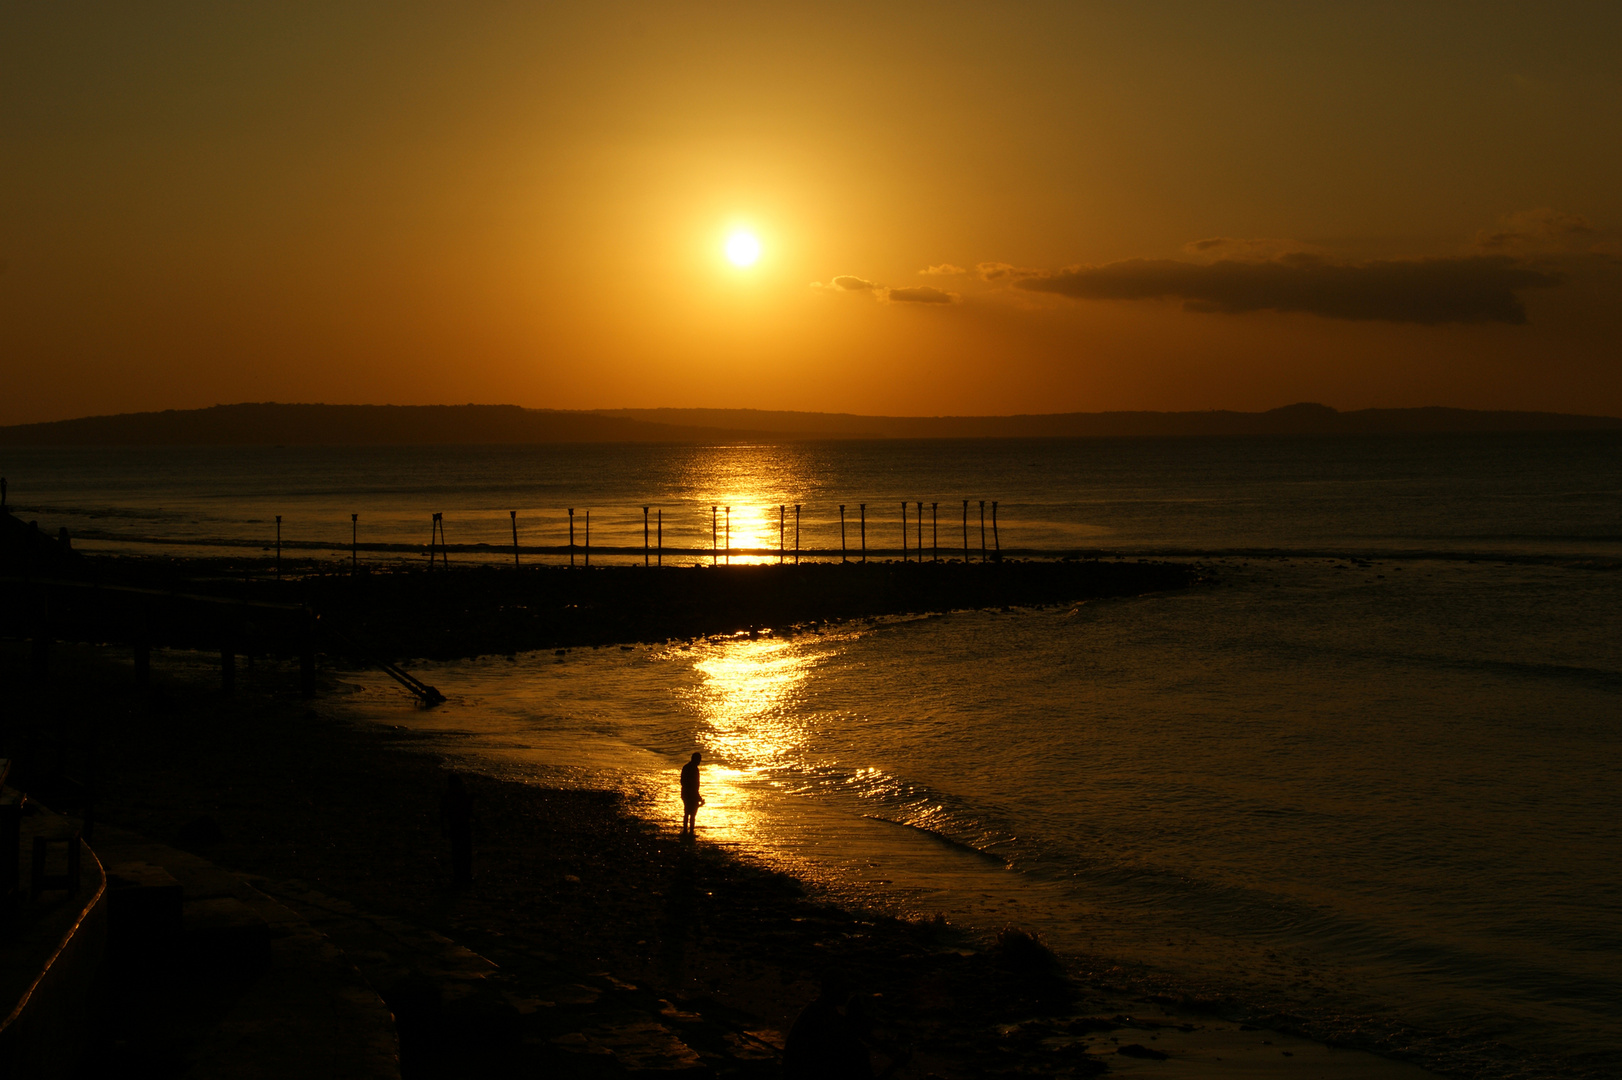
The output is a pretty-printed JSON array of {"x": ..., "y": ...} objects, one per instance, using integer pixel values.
[{"x": 653, "y": 536}]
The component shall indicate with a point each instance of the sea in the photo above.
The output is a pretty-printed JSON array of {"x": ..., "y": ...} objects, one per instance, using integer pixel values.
[{"x": 1366, "y": 774}]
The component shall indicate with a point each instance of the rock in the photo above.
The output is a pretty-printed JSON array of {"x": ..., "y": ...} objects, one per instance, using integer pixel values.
[{"x": 1138, "y": 1050}]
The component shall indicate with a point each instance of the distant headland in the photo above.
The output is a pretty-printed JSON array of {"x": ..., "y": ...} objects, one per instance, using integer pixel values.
[{"x": 275, "y": 424}]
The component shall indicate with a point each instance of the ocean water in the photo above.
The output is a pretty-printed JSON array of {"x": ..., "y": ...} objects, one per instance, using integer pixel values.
[{"x": 1367, "y": 775}]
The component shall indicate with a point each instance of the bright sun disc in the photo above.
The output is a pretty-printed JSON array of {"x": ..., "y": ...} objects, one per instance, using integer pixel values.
[{"x": 743, "y": 249}]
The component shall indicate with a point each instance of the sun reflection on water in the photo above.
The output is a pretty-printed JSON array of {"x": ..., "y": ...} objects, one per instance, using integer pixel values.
[
  {"x": 751, "y": 708},
  {"x": 760, "y": 484}
]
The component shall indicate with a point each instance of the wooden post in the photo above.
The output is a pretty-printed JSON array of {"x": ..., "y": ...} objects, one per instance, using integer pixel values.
[
  {"x": 278, "y": 547},
  {"x": 982, "y": 530},
  {"x": 965, "y": 531},
  {"x": 796, "y": 534},
  {"x": 644, "y": 537},
  {"x": 588, "y": 539},
  {"x": 996, "y": 543},
  {"x": 780, "y": 512},
  {"x": 842, "y": 557},
  {"x": 714, "y": 535},
  {"x": 571, "y": 536},
  {"x": 729, "y": 535},
  {"x": 354, "y": 531},
  {"x": 919, "y": 547},
  {"x": 514, "y": 515},
  {"x": 935, "y": 532},
  {"x": 903, "y": 530},
  {"x": 661, "y": 555},
  {"x": 864, "y": 531}
]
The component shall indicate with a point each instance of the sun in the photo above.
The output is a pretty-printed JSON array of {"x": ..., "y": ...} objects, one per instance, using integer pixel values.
[{"x": 743, "y": 248}]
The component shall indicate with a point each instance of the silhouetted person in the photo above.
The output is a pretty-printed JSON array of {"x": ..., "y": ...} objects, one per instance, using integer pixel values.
[
  {"x": 691, "y": 800},
  {"x": 825, "y": 1043},
  {"x": 457, "y": 808}
]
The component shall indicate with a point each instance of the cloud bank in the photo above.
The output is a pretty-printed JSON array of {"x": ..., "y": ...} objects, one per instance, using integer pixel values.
[
  {"x": 1470, "y": 289},
  {"x": 1541, "y": 229},
  {"x": 923, "y": 294}
]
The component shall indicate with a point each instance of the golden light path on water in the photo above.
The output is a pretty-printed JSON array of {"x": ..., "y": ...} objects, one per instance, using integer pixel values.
[
  {"x": 753, "y": 490},
  {"x": 748, "y": 708}
]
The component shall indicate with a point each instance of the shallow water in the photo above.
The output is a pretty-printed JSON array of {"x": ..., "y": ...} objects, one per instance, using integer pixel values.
[
  {"x": 1375, "y": 787},
  {"x": 1318, "y": 788}
]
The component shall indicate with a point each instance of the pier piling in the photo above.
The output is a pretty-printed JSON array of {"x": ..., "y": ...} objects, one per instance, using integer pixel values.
[
  {"x": 571, "y": 536},
  {"x": 864, "y": 531},
  {"x": 919, "y": 547},
  {"x": 903, "y": 530},
  {"x": 982, "y": 530},
  {"x": 965, "y": 531},
  {"x": 588, "y": 539},
  {"x": 514, "y": 515},
  {"x": 729, "y": 535},
  {"x": 796, "y": 534},
  {"x": 644, "y": 537},
  {"x": 842, "y": 557},
  {"x": 354, "y": 550},
  {"x": 714, "y": 535},
  {"x": 935, "y": 532},
  {"x": 661, "y": 523},
  {"x": 278, "y": 547},
  {"x": 996, "y": 543}
]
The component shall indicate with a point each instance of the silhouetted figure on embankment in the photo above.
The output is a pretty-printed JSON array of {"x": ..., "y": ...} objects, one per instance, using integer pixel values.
[
  {"x": 691, "y": 800},
  {"x": 457, "y": 809}
]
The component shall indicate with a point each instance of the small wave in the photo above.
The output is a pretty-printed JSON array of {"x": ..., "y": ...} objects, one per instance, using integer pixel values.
[{"x": 949, "y": 841}]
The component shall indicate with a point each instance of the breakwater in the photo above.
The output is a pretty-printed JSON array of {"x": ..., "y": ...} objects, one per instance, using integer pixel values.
[{"x": 484, "y": 611}]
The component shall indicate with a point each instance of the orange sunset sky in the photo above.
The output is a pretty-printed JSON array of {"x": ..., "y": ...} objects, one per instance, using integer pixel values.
[{"x": 960, "y": 208}]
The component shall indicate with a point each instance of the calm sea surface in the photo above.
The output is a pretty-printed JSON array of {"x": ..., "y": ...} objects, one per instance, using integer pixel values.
[{"x": 1369, "y": 775}]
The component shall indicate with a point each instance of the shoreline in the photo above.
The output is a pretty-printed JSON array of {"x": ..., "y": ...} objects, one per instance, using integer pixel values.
[{"x": 263, "y": 785}]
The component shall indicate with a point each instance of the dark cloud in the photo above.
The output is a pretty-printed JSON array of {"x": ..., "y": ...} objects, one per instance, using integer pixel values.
[
  {"x": 1474, "y": 289},
  {"x": 853, "y": 284},
  {"x": 1001, "y": 271},
  {"x": 1539, "y": 229},
  {"x": 1245, "y": 248},
  {"x": 922, "y": 295}
]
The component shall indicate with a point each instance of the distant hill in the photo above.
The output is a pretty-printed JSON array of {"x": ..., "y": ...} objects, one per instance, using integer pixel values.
[
  {"x": 273, "y": 424},
  {"x": 270, "y": 424},
  {"x": 1303, "y": 419}
]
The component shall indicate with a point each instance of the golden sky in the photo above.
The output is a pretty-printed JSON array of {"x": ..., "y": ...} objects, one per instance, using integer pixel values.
[{"x": 961, "y": 208}]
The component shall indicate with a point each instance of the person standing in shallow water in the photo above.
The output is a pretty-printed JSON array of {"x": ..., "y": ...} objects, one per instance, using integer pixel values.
[{"x": 690, "y": 798}]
